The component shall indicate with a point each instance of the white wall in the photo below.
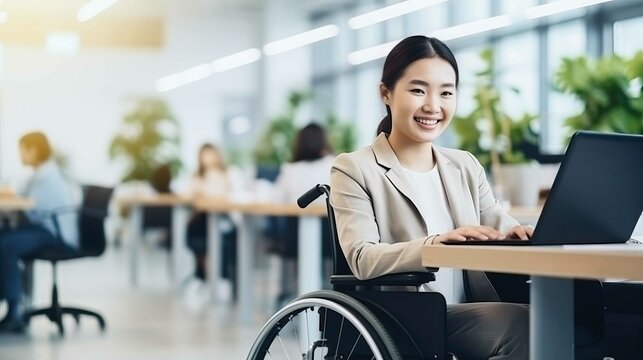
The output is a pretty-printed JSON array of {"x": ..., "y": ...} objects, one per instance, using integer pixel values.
[
  {"x": 288, "y": 71},
  {"x": 79, "y": 101}
]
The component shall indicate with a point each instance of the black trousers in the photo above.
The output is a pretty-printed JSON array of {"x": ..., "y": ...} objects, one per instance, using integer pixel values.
[
  {"x": 197, "y": 242},
  {"x": 495, "y": 331}
]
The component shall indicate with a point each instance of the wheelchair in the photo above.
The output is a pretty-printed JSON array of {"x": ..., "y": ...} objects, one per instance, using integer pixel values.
[{"x": 358, "y": 319}]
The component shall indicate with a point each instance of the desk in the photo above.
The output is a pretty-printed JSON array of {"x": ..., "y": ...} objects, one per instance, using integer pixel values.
[
  {"x": 310, "y": 259},
  {"x": 180, "y": 213},
  {"x": 552, "y": 269},
  {"x": 15, "y": 203}
]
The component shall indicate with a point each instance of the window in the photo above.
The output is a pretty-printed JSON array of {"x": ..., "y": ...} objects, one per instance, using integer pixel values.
[
  {"x": 465, "y": 11},
  {"x": 516, "y": 60},
  {"x": 627, "y": 36},
  {"x": 565, "y": 40}
]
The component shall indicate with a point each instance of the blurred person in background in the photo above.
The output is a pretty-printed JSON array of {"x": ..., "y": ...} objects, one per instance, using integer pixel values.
[
  {"x": 50, "y": 191},
  {"x": 211, "y": 180},
  {"x": 312, "y": 160},
  {"x": 311, "y": 163}
]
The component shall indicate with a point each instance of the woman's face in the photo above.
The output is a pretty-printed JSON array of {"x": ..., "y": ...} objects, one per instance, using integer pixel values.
[
  {"x": 422, "y": 101},
  {"x": 210, "y": 159},
  {"x": 28, "y": 155}
]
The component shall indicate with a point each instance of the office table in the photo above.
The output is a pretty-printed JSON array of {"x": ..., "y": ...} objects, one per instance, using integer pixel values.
[
  {"x": 552, "y": 270},
  {"x": 10, "y": 203},
  {"x": 309, "y": 242},
  {"x": 180, "y": 213}
]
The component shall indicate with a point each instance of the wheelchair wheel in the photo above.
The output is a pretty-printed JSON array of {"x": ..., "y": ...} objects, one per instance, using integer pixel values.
[{"x": 324, "y": 325}]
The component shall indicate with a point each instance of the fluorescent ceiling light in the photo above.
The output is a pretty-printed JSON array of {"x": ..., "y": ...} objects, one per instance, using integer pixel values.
[
  {"x": 235, "y": 60},
  {"x": 472, "y": 28},
  {"x": 390, "y": 12},
  {"x": 454, "y": 32},
  {"x": 93, "y": 8},
  {"x": 370, "y": 54},
  {"x": 203, "y": 71},
  {"x": 300, "y": 40},
  {"x": 184, "y": 77},
  {"x": 558, "y": 7}
]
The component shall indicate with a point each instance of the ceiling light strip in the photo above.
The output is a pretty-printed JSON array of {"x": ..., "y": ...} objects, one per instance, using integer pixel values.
[
  {"x": 203, "y": 71},
  {"x": 558, "y": 7},
  {"x": 370, "y": 54},
  {"x": 450, "y": 33},
  {"x": 390, "y": 12},
  {"x": 302, "y": 39},
  {"x": 235, "y": 60},
  {"x": 473, "y": 28},
  {"x": 93, "y": 8}
]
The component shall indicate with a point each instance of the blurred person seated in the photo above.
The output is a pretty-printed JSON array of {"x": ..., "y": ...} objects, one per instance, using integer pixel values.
[
  {"x": 211, "y": 180},
  {"x": 50, "y": 191},
  {"x": 312, "y": 160},
  {"x": 160, "y": 217}
]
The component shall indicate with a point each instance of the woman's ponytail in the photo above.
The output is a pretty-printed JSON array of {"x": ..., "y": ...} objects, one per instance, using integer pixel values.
[{"x": 386, "y": 124}]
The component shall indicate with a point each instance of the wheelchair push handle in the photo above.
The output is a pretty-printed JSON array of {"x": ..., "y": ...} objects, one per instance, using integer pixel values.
[{"x": 312, "y": 195}]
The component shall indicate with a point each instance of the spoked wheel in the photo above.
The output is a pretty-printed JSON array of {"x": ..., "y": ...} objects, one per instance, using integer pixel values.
[{"x": 324, "y": 325}]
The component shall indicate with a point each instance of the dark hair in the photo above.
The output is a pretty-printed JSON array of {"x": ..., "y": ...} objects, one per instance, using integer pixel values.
[
  {"x": 205, "y": 147},
  {"x": 37, "y": 140},
  {"x": 161, "y": 178},
  {"x": 311, "y": 143},
  {"x": 406, "y": 52}
]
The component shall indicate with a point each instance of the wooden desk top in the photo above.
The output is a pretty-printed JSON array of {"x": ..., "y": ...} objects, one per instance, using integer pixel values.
[
  {"x": 258, "y": 208},
  {"x": 15, "y": 203},
  {"x": 153, "y": 200},
  {"x": 621, "y": 261}
]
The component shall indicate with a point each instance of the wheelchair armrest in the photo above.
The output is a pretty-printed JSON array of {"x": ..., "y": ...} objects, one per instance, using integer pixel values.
[{"x": 402, "y": 279}]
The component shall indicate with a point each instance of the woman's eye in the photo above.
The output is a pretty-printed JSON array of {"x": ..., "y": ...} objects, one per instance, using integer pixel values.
[
  {"x": 417, "y": 91},
  {"x": 447, "y": 93}
]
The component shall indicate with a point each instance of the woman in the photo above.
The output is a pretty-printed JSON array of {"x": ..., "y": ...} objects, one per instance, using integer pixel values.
[
  {"x": 210, "y": 180},
  {"x": 312, "y": 160},
  {"x": 50, "y": 191},
  {"x": 403, "y": 192}
]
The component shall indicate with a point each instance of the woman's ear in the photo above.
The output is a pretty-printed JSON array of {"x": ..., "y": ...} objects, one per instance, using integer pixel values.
[{"x": 384, "y": 93}]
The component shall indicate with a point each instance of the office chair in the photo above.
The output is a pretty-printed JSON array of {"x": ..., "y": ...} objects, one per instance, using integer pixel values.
[{"x": 92, "y": 242}]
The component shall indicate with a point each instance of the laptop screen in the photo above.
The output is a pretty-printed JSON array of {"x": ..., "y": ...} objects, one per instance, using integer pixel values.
[{"x": 597, "y": 196}]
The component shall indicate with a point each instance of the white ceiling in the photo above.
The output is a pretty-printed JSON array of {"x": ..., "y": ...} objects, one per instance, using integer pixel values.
[{"x": 147, "y": 8}]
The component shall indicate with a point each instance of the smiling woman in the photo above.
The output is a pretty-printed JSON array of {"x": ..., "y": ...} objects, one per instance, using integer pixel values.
[{"x": 403, "y": 192}]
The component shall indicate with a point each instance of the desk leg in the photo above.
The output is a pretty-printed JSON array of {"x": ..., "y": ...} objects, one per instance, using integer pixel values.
[
  {"x": 245, "y": 259},
  {"x": 214, "y": 258},
  {"x": 179, "y": 227},
  {"x": 135, "y": 233},
  {"x": 309, "y": 267},
  {"x": 551, "y": 318}
]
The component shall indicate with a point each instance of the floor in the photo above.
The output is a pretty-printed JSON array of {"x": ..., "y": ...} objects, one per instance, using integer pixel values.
[{"x": 149, "y": 321}]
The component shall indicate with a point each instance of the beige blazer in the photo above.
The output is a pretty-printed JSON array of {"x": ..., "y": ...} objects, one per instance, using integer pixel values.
[{"x": 380, "y": 228}]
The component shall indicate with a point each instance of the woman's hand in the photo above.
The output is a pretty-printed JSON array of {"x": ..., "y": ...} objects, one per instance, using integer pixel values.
[
  {"x": 470, "y": 232},
  {"x": 520, "y": 232}
]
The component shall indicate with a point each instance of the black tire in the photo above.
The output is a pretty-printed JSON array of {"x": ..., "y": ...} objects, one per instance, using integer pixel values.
[{"x": 370, "y": 329}]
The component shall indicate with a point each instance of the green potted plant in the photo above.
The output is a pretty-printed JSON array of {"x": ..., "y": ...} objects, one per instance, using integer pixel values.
[
  {"x": 342, "y": 135},
  {"x": 499, "y": 141},
  {"x": 147, "y": 139},
  {"x": 609, "y": 89},
  {"x": 275, "y": 144}
]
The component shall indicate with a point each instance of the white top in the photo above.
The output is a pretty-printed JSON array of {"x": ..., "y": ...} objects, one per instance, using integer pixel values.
[
  {"x": 298, "y": 177},
  {"x": 436, "y": 212},
  {"x": 51, "y": 192}
]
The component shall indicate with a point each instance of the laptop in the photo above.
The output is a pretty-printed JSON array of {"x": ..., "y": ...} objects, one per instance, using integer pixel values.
[{"x": 596, "y": 197}]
